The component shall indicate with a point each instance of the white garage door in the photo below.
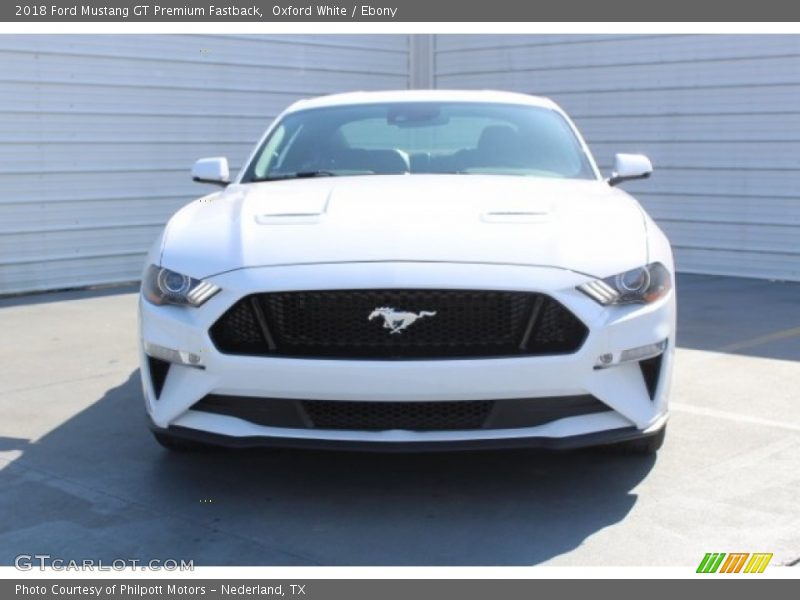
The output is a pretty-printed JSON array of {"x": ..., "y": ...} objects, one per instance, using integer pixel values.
[
  {"x": 719, "y": 116},
  {"x": 99, "y": 133}
]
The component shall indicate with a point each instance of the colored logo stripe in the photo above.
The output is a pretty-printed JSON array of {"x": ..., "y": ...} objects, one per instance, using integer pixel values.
[
  {"x": 734, "y": 562},
  {"x": 758, "y": 563},
  {"x": 712, "y": 562}
]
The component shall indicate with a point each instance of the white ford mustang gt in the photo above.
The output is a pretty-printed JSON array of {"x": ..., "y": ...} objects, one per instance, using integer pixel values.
[{"x": 411, "y": 270}]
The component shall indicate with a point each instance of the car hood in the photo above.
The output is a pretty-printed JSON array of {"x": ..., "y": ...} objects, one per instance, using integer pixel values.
[{"x": 581, "y": 225}]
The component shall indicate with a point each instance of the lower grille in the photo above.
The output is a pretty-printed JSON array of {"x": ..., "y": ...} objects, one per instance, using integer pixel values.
[
  {"x": 412, "y": 416},
  {"x": 415, "y": 416},
  {"x": 398, "y": 324}
]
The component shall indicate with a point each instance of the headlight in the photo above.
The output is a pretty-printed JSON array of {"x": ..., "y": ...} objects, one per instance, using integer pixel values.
[
  {"x": 162, "y": 286},
  {"x": 637, "y": 286}
]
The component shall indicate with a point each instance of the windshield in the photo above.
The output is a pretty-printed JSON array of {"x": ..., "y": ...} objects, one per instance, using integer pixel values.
[{"x": 417, "y": 137}]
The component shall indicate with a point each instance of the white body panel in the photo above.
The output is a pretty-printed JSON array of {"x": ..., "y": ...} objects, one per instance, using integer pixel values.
[{"x": 438, "y": 218}]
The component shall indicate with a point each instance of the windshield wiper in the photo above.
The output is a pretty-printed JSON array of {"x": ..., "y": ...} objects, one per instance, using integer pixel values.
[{"x": 297, "y": 175}]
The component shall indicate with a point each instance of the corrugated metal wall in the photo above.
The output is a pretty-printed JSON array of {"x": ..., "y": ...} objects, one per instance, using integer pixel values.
[
  {"x": 718, "y": 114},
  {"x": 98, "y": 134}
]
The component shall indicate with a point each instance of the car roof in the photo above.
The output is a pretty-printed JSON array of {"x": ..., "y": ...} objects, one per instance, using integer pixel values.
[{"x": 422, "y": 96}]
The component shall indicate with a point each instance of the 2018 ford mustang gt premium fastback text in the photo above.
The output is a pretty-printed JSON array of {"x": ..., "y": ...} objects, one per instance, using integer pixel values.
[{"x": 411, "y": 270}]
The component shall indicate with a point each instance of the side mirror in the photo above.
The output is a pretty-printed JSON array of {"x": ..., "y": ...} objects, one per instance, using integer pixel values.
[
  {"x": 212, "y": 170},
  {"x": 630, "y": 166}
]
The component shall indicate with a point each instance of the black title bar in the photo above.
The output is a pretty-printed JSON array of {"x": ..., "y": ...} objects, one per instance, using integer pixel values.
[
  {"x": 343, "y": 589},
  {"x": 399, "y": 11}
]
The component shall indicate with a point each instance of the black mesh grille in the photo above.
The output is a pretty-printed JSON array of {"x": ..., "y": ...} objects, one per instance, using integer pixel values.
[
  {"x": 417, "y": 416},
  {"x": 238, "y": 330},
  {"x": 446, "y": 324},
  {"x": 414, "y": 416},
  {"x": 557, "y": 329}
]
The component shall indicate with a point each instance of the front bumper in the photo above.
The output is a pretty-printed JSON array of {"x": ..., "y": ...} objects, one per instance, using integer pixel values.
[
  {"x": 568, "y": 442},
  {"x": 634, "y": 410}
]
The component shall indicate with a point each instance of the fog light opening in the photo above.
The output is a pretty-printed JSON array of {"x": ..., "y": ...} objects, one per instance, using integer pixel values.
[
  {"x": 604, "y": 360},
  {"x": 159, "y": 370},
  {"x": 178, "y": 357},
  {"x": 639, "y": 353},
  {"x": 643, "y": 352},
  {"x": 651, "y": 372}
]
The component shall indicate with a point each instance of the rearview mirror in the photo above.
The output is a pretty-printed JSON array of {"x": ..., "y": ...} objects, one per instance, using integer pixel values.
[
  {"x": 212, "y": 170},
  {"x": 630, "y": 166}
]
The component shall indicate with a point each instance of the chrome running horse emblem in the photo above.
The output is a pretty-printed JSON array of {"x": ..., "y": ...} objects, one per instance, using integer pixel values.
[{"x": 396, "y": 320}]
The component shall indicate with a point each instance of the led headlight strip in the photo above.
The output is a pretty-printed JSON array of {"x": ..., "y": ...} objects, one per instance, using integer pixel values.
[
  {"x": 641, "y": 285},
  {"x": 163, "y": 286}
]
